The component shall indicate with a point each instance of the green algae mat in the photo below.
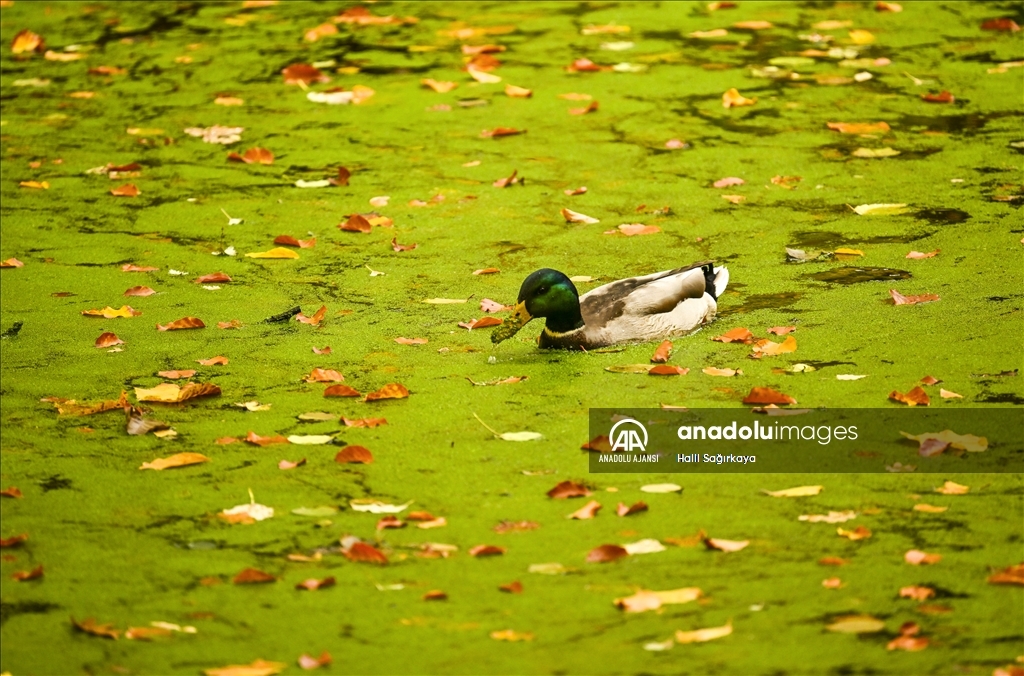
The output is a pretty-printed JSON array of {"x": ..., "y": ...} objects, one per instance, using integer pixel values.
[{"x": 199, "y": 199}]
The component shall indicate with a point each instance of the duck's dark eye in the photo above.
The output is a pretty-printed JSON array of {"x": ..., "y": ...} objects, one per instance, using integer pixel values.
[{"x": 542, "y": 289}]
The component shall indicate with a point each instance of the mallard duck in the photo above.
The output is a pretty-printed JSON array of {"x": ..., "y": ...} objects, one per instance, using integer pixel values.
[{"x": 652, "y": 307}]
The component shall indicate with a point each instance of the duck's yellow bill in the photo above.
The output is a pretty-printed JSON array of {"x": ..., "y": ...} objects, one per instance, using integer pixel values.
[{"x": 511, "y": 326}]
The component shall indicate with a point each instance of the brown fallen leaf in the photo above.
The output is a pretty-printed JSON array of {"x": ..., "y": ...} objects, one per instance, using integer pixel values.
[
  {"x": 930, "y": 380},
  {"x": 915, "y": 397},
  {"x": 14, "y": 540},
  {"x": 858, "y": 127},
  {"x": 303, "y": 73},
  {"x": 288, "y": 240},
  {"x": 139, "y": 291},
  {"x": 435, "y": 595},
  {"x": 589, "y": 108},
  {"x": 1002, "y": 24},
  {"x": 364, "y": 422},
  {"x": 737, "y": 335},
  {"x": 395, "y": 246},
  {"x": 568, "y": 489},
  {"x": 323, "y": 350},
  {"x": 183, "y": 323},
  {"x": 599, "y": 444},
  {"x": 487, "y": 550},
  {"x": 219, "y": 360},
  {"x": 360, "y": 552},
  {"x": 169, "y": 393},
  {"x": 71, "y": 407},
  {"x": 606, "y": 554},
  {"x": 781, "y": 330},
  {"x": 26, "y": 575},
  {"x": 858, "y": 533},
  {"x": 176, "y": 460},
  {"x": 11, "y": 492},
  {"x": 354, "y": 454},
  {"x": 916, "y": 557},
  {"x": 483, "y": 322},
  {"x": 315, "y": 320},
  {"x": 832, "y": 561},
  {"x": 508, "y": 180},
  {"x": 253, "y": 156},
  {"x": 312, "y": 584},
  {"x": 725, "y": 373},
  {"x": 390, "y": 521},
  {"x": 766, "y": 395},
  {"x": 1009, "y": 575},
  {"x": 257, "y": 440},
  {"x": 587, "y": 511},
  {"x": 441, "y": 87},
  {"x": 146, "y": 633},
  {"x": 341, "y": 391},
  {"x": 787, "y": 182},
  {"x": 253, "y": 576},
  {"x": 899, "y": 299},
  {"x": 909, "y": 643},
  {"x": 319, "y": 375},
  {"x": 89, "y": 626},
  {"x": 131, "y": 267},
  {"x": 942, "y": 97},
  {"x": 126, "y": 190},
  {"x": 389, "y": 391},
  {"x": 108, "y": 340},
  {"x": 832, "y": 583},
  {"x": 212, "y": 278},
  {"x": 356, "y": 223},
  {"x": 635, "y": 508}
]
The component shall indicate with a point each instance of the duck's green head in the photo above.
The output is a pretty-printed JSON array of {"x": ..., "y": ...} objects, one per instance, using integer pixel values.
[{"x": 545, "y": 293}]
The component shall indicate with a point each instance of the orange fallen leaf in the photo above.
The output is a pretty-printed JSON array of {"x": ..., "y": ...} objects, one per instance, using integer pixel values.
[
  {"x": 568, "y": 489},
  {"x": 395, "y": 246},
  {"x": 360, "y": 552},
  {"x": 110, "y": 313},
  {"x": 917, "y": 593},
  {"x": 354, "y": 454},
  {"x": 587, "y": 511},
  {"x": 213, "y": 361},
  {"x": 737, "y": 335},
  {"x": 252, "y": 576},
  {"x": 787, "y": 182},
  {"x": 14, "y": 540},
  {"x": 766, "y": 395},
  {"x": 303, "y": 73},
  {"x": 126, "y": 190},
  {"x": 108, "y": 340},
  {"x": 733, "y": 99},
  {"x": 916, "y": 557},
  {"x": 483, "y": 322},
  {"x": 183, "y": 323},
  {"x": 667, "y": 370},
  {"x": 770, "y": 348},
  {"x": 943, "y": 97},
  {"x": 635, "y": 508},
  {"x": 131, "y": 267},
  {"x": 253, "y": 156},
  {"x": 288, "y": 464},
  {"x": 323, "y": 350},
  {"x": 389, "y": 391},
  {"x": 514, "y": 587},
  {"x": 725, "y": 373},
  {"x": 27, "y": 41},
  {"x": 781, "y": 330},
  {"x": 176, "y": 460},
  {"x": 315, "y": 320},
  {"x": 11, "y": 263},
  {"x": 11, "y": 492},
  {"x": 633, "y": 229},
  {"x": 257, "y": 440},
  {"x": 341, "y": 391},
  {"x": 899, "y": 299},
  {"x": 390, "y": 521},
  {"x": 319, "y": 375},
  {"x": 71, "y": 407},
  {"x": 858, "y": 533},
  {"x": 356, "y": 223},
  {"x": 224, "y": 441},
  {"x": 108, "y": 70},
  {"x": 233, "y": 324},
  {"x": 606, "y": 554},
  {"x": 1009, "y": 575},
  {"x": 858, "y": 127},
  {"x": 832, "y": 583},
  {"x": 599, "y": 444},
  {"x": 589, "y": 108},
  {"x": 257, "y": 667},
  {"x": 364, "y": 422},
  {"x": 312, "y": 584},
  {"x": 832, "y": 561},
  {"x": 176, "y": 375},
  {"x": 1002, "y": 24},
  {"x": 487, "y": 550},
  {"x": 662, "y": 353},
  {"x": 584, "y": 66},
  {"x": 288, "y": 240},
  {"x": 909, "y": 643},
  {"x": 915, "y": 397},
  {"x": 25, "y": 575},
  {"x": 498, "y": 132},
  {"x": 139, "y": 291},
  {"x": 213, "y": 277},
  {"x": 435, "y": 595}
]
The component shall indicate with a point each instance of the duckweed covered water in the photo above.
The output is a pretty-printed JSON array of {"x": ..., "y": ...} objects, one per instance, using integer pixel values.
[{"x": 130, "y": 547}]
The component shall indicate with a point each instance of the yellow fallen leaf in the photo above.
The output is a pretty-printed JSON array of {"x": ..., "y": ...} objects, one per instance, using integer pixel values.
[
  {"x": 952, "y": 488},
  {"x": 702, "y": 635},
  {"x": 733, "y": 99},
  {"x": 38, "y": 185},
  {"x": 278, "y": 252},
  {"x": 257, "y": 668},
  {"x": 843, "y": 251},
  {"x": 856, "y": 624},
  {"x": 177, "y": 460},
  {"x": 861, "y": 37},
  {"x": 510, "y": 635},
  {"x": 798, "y": 492},
  {"x": 930, "y": 509},
  {"x": 880, "y": 209},
  {"x": 171, "y": 393},
  {"x": 965, "y": 442},
  {"x": 645, "y": 600}
]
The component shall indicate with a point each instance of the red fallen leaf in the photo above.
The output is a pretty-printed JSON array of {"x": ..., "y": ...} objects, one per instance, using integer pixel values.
[
  {"x": 139, "y": 291},
  {"x": 766, "y": 395},
  {"x": 599, "y": 444},
  {"x": 303, "y": 73},
  {"x": 307, "y": 662},
  {"x": 354, "y": 454},
  {"x": 435, "y": 595},
  {"x": 11, "y": 492},
  {"x": 389, "y": 391},
  {"x": 411, "y": 341},
  {"x": 858, "y": 127},
  {"x": 899, "y": 299},
  {"x": 315, "y": 320},
  {"x": 288, "y": 464},
  {"x": 589, "y": 108},
  {"x": 341, "y": 391},
  {"x": 918, "y": 255},
  {"x": 663, "y": 352},
  {"x": 587, "y": 511},
  {"x": 183, "y": 323},
  {"x": 175, "y": 375},
  {"x": 635, "y": 508},
  {"x": 917, "y": 593},
  {"x": 253, "y": 156},
  {"x": 515, "y": 526},
  {"x": 1003, "y": 24},
  {"x": 131, "y": 267},
  {"x": 568, "y": 489},
  {"x": 514, "y": 587},
  {"x": 126, "y": 190},
  {"x": 14, "y": 540},
  {"x": 395, "y": 246},
  {"x": 252, "y": 576},
  {"x": 108, "y": 340},
  {"x": 487, "y": 550},
  {"x": 507, "y": 181},
  {"x": 390, "y": 521},
  {"x": 257, "y": 440},
  {"x": 224, "y": 441},
  {"x": 584, "y": 66},
  {"x": 288, "y": 240},
  {"x": 944, "y": 97},
  {"x": 89, "y": 626},
  {"x": 420, "y": 516},
  {"x": 213, "y": 361},
  {"x": 737, "y": 335},
  {"x": 480, "y": 323},
  {"x": 212, "y": 277},
  {"x": 1009, "y": 575},
  {"x": 832, "y": 561},
  {"x": 667, "y": 370},
  {"x": 488, "y": 305},
  {"x": 356, "y": 223},
  {"x": 11, "y": 263},
  {"x": 916, "y": 557},
  {"x": 915, "y": 397},
  {"x": 606, "y": 554},
  {"x": 324, "y": 350},
  {"x": 364, "y": 422},
  {"x": 498, "y": 132},
  {"x": 782, "y": 330},
  {"x": 361, "y": 552},
  {"x": 233, "y": 324},
  {"x": 319, "y": 375},
  {"x": 312, "y": 584},
  {"x": 24, "y": 575}
]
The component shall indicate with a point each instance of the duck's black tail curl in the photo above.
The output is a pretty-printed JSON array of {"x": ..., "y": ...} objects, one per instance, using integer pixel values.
[{"x": 709, "y": 279}]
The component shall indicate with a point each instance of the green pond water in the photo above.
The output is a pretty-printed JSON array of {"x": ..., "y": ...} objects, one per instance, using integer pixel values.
[{"x": 131, "y": 547}]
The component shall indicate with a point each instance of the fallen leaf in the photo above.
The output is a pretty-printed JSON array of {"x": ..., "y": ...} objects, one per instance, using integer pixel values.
[
  {"x": 483, "y": 322},
  {"x": 395, "y": 246},
  {"x": 213, "y": 361},
  {"x": 798, "y": 492},
  {"x": 899, "y": 299},
  {"x": 943, "y": 97},
  {"x": 515, "y": 587},
  {"x": 832, "y": 583},
  {"x": 146, "y": 633},
  {"x": 171, "y": 393},
  {"x": 781, "y": 330},
  {"x": 662, "y": 353},
  {"x": 1002, "y": 24},
  {"x": 257, "y": 440},
  {"x": 568, "y": 489},
  {"x": 312, "y": 584},
  {"x": 341, "y": 391},
  {"x": 319, "y": 375},
  {"x": 364, "y": 422},
  {"x": 440, "y": 87},
  {"x": 126, "y": 190},
  {"x": 918, "y": 255},
  {"x": 858, "y": 533},
  {"x": 302, "y": 73},
  {"x": 360, "y": 552},
  {"x": 728, "y": 182},
  {"x": 667, "y": 370},
  {"x": 753, "y": 25},
  {"x": 11, "y": 492},
  {"x": 110, "y": 313},
  {"x": 766, "y": 395},
  {"x": 702, "y": 635},
  {"x": 376, "y": 506},
  {"x": 737, "y": 335},
  {"x": 14, "y": 540},
  {"x": 176, "y": 460},
  {"x": 733, "y": 99},
  {"x": 726, "y": 373},
  {"x": 587, "y": 511},
  {"x": 510, "y": 635},
  {"x": 233, "y": 324},
  {"x": 310, "y": 439},
  {"x": 108, "y": 340},
  {"x": 487, "y": 550},
  {"x": 253, "y": 156},
  {"x": 917, "y": 593},
  {"x": 89, "y": 626},
  {"x": 606, "y": 553},
  {"x": 589, "y": 108},
  {"x": 644, "y": 600},
  {"x": 518, "y": 526},
  {"x": 315, "y": 320},
  {"x": 139, "y": 291},
  {"x": 661, "y": 488},
  {"x": 770, "y": 348},
  {"x": 831, "y": 517},
  {"x": 787, "y": 182},
  {"x": 252, "y": 576},
  {"x": 11, "y": 263},
  {"x": 635, "y": 508},
  {"x": 183, "y": 323},
  {"x": 354, "y": 454},
  {"x": 481, "y": 75},
  {"x": 444, "y": 301},
  {"x": 915, "y": 397},
  {"x": 832, "y": 561},
  {"x": 323, "y": 350},
  {"x": 856, "y": 624},
  {"x": 498, "y": 132},
  {"x": 287, "y": 464},
  {"x": 858, "y": 127},
  {"x": 909, "y": 643},
  {"x": 952, "y": 488},
  {"x": 308, "y": 662},
  {"x": 571, "y": 216},
  {"x": 725, "y": 545},
  {"x": 874, "y": 153},
  {"x": 389, "y": 391},
  {"x": 1009, "y": 575},
  {"x": 26, "y": 575},
  {"x": 916, "y": 557},
  {"x": 278, "y": 252},
  {"x": 965, "y": 442},
  {"x": 633, "y": 229},
  {"x": 880, "y": 209}
]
